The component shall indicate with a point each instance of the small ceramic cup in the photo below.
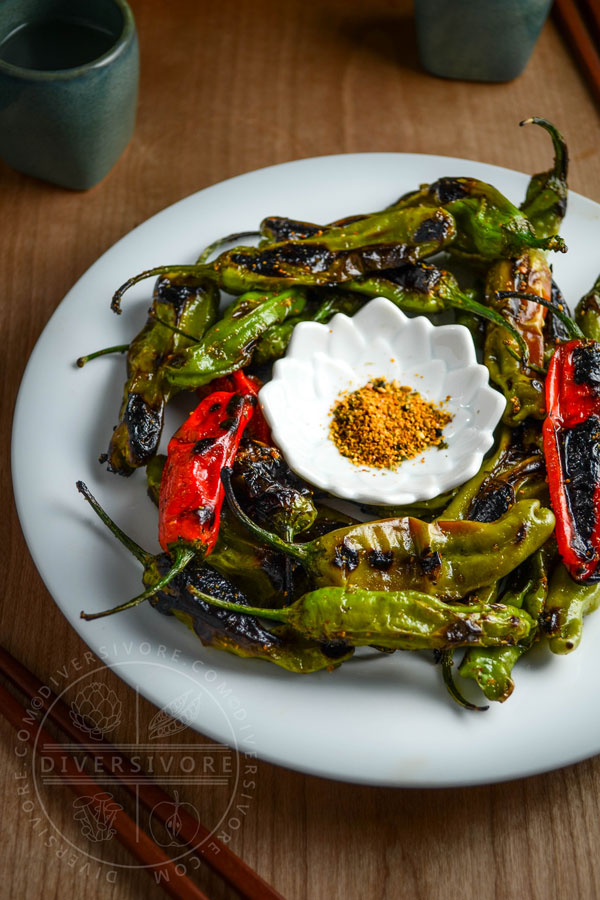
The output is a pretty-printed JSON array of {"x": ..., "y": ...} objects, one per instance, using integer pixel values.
[
  {"x": 68, "y": 87},
  {"x": 478, "y": 40}
]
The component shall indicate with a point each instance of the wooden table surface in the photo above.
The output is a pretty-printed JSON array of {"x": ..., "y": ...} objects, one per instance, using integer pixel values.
[{"x": 227, "y": 87}]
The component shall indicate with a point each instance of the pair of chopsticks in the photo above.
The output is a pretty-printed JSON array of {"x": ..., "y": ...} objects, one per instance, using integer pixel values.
[
  {"x": 217, "y": 855},
  {"x": 579, "y": 21}
]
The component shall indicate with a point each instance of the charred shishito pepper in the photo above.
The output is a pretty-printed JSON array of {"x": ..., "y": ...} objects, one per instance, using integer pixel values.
[
  {"x": 587, "y": 312},
  {"x": 229, "y": 344},
  {"x": 572, "y": 448},
  {"x": 488, "y": 225},
  {"x": 422, "y": 287},
  {"x": 520, "y": 382},
  {"x": 241, "y": 383},
  {"x": 395, "y": 620},
  {"x": 191, "y": 494},
  {"x": 545, "y": 202},
  {"x": 183, "y": 305},
  {"x": 444, "y": 558},
  {"x": 274, "y": 495}
]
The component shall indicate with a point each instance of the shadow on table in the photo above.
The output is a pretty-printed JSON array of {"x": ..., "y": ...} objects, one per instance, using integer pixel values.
[{"x": 392, "y": 38}]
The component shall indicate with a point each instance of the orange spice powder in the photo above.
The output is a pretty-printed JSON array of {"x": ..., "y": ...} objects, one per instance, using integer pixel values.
[{"x": 385, "y": 422}]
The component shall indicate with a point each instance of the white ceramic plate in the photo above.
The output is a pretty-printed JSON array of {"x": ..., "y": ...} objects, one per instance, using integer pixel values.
[{"x": 379, "y": 720}]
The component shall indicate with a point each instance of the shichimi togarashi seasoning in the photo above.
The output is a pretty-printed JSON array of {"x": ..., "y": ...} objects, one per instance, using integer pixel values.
[{"x": 385, "y": 422}]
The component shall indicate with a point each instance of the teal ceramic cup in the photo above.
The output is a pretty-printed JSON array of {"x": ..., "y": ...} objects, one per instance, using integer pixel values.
[
  {"x": 478, "y": 40},
  {"x": 68, "y": 87}
]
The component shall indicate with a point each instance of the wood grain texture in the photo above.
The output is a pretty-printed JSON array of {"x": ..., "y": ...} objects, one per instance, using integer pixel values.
[{"x": 228, "y": 87}]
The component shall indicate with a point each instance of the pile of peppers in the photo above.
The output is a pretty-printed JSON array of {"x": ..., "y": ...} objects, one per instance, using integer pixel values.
[{"x": 255, "y": 563}]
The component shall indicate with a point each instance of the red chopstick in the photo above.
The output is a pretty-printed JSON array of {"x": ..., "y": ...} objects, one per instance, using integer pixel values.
[
  {"x": 573, "y": 27},
  {"x": 217, "y": 855}
]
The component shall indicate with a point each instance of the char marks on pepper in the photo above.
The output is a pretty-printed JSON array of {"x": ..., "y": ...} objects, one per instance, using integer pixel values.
[
  {"x": 289, "y": 229},
  {"x": 495, "y": 499},
  {"x": 203, "y": 445},
  {"x": 586, "y": 365},
  {"x": 272, "y": 262},
  {"x": 462, "y": 631},
  {"x": 210, "y": 621},
  {"x": 345, "y": 557},
  {"x": 144, "y": 427},
  {"x": 430, "y": 563},
  {"x": 381, "y": 559},
  {"x": 419, "y": 278},
  {"x": 434, "y": 229},
  {"x": 447, "y": 190},
  {"x": 175, "y": 295},
  {"x": 579, "y": 448}
]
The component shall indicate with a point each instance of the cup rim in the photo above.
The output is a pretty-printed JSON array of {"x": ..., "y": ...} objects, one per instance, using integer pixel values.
[{"x": 127, "y": 32}]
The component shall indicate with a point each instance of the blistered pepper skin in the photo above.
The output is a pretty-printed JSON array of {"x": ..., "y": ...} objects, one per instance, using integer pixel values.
[
  {"x": 229, "y": 344},
  {"x": 444, "y": 558},
  {"x": 182, "y": 301},
  {"x": 522, "y": 386},
  {"x": 397, "y": 620},
  {"x": 567, "y": 603},
  {"x": 571, "y": 435},
  {"x": 340, "y": 254},
  {"x": 587, "y": 312}
]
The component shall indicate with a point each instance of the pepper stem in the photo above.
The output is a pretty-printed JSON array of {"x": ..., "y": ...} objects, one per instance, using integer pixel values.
[
  {"x": 216, "y": 245},
  {"x": 561, "y": 155},
  {"x": 159, "y": 270},
  {"x": 182, "y": 558},
  {"x": 463, "y": 301},
  {"x": 118, "y": 348},
  {"x": 296, "y": 550},
  {"x": 279, "y": 615},
  {"x": 140, "y": 554},
  {"x": 571, "y": 326},
  {"x": 447, "y": 663},
  {"x": 174, "y": 328}
]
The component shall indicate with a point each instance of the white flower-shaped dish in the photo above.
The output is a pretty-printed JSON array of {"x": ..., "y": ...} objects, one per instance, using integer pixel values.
[{"x": 322, "y": 361}]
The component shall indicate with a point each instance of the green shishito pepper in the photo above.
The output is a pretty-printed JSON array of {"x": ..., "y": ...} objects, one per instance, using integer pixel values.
[
  {"x": 520, "y": 384},
  {"x": 488, "y": 225},
  {"x": 342, "y": 253},
  {"x": 421, "y": 287},
  {"x": 183, "y": 307},
  {"x": 446, "y": 558},
  {"x": 237, "y": 633},
  {"x": 229, "y": 344},
  {"x": 587, "y": 312},
  {"x": 396, "y": 620},
  {"x": 567, "y": 603},
  {"x": 514, "y": 470},
  {"x": 545, "y": 202},
  {"x": 274, "y": 342},
  {"x": 491, "y": 667}
]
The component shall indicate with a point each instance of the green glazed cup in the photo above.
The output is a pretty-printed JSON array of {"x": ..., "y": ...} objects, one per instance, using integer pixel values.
[
  {"x": 68, "y": 87},
  {"x": 478, "y": 40}
]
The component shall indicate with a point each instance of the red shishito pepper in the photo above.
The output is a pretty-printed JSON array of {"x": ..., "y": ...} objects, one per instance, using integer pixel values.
[
  {"x": 191, "y": 493},
  {"x": 572, "y": 448},
  {"x": 243, "y": 384}
]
